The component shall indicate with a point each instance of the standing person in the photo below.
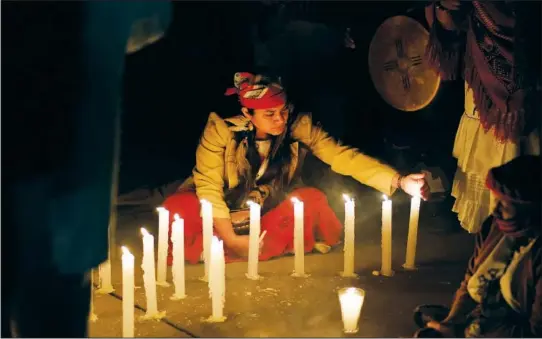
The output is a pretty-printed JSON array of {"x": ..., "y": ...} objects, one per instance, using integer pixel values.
[
  {"x": 257, "y": 156},
  {"x": 496, "y": 46},
  {"x": 63, "y": 63}
]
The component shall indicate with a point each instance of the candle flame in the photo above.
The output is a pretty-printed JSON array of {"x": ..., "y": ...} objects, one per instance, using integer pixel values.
[
  {"x": 295, "y": 200},
  {"x": 385, "y": 197},
  {"x": 161, "y": 209},
  {"x": 250, "y": 203},
  {"x": 176, "y": 216},
  {"x": 125, "y": 250},
  {"x": 347, "y": 198},
  {"x": 144, "y": 232},
  {"x": 203, "y": 201}
]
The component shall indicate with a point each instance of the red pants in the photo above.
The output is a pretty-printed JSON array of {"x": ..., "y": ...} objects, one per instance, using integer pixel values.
[{"x": 320, "y": 223}]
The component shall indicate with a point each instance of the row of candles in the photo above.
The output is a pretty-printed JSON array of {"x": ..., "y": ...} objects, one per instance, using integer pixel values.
[{"x": 214, "y": 261}]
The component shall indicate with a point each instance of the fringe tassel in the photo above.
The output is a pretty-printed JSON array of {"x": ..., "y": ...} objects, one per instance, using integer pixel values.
[{"x": 507, "y": 124}]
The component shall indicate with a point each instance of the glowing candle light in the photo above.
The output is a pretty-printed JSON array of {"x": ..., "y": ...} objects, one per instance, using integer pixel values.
[
  {"x": 386, "y": 238},
  {"x": 412, "y": 233},
  {"x": 149, "y": 276},
  {"x": 217, "y": 280},
  {"x": 254, "y": 240},
  {"x": 349, "y": 236},
  {"x": 163, "y": 230},
  {"x": 207, "y": 216},
  {"x": 299, "y": 243},
  {"x": 177, "y": 269},
  {"x": 351, "y": 300},
  {"x": 128, "y": 309},
  {"x": 93, "y": 317}
]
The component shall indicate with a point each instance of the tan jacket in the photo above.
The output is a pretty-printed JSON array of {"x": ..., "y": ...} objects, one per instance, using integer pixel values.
[{"x": 217, "y": 166}]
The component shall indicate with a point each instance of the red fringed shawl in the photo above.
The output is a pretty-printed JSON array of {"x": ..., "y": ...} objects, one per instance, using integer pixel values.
[{"x": 488, "y": 65}]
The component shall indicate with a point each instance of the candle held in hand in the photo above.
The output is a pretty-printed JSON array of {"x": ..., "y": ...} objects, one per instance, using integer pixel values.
[
  {"x": 351, "y": 300},
  {"x": 412, "y": 233},
  {"x": 127, "y": 293}
]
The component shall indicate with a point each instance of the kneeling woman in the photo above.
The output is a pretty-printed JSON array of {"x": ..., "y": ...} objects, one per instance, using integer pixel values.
[{"x": 257, "y": 156}]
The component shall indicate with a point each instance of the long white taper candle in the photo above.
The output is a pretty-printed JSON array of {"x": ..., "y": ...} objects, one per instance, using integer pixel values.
[
  {"x": 128, "y": 307},
  {"x": 217, "y": 280},
  {"x": 299, "y": 242},
  {"x": 349, "y": 237},
  {"x": 207, "y": 218},
  {"x": 149, "y": 276},
  {"x": 254, "y": 240},
  {"x": 163, "y": 230},
  {"x": 386, "y": 269},
  {"x": 412, "y": 234},
  {"x": 178, "y": 272}
]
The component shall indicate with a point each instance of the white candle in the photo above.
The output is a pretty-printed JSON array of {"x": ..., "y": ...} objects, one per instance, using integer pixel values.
[
  {"x": 351, "y": 300},
  {"x": 299, "y": 243},
  {"x": 207, "y": 216},
  {"x": 106, "y": 286},
  {"x": 163, "y": 230},
  {"x": 254, "y": 240},
  {"x": 386, "y": 238},
  {"x": 412, "y": 233},
  {"x": 149, "y": 276},
  {"x": 349, "y": 237},
  {"x": 128, "y": 307},
  {"x": 177, "y": 238},
  {"x": 217, "y": 280},
  {"x": 93, "y": 317}
]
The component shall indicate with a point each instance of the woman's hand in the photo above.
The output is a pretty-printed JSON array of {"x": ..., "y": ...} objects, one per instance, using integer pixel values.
[
  {"x": 415, "y": 185},
  {"x": 239, "y": 244},
  {"x": 446, "y": 329}
]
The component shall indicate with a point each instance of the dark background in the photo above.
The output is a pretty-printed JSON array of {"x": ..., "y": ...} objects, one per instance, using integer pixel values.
[{"x": 171, "y": 86}]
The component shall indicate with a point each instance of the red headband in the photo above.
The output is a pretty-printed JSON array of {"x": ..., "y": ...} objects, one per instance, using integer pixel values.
[{"x": 254, "y": 94}]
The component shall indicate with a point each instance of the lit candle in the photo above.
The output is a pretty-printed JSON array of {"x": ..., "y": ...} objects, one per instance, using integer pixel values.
[
  {"x": 386, "y": 238},
  {"x": 163, "y": 230},
  {"x": 412, "y": 233},
  {"x": 254, "y": 240},
  {"x": 177, "y": 238},
  {"x": 351, "y": 300},
  {"x": 299, "y": 244},
  {"x": 349, "y": 237},
  {"x": 128, "y": 306},
  {"x": 106, "y": 286},
  {"x": 149, "y": 276},
  {"x": 207, "y": 216},
  {"x": 93, "y": 317},
  {"x": 217, "y": 280}
]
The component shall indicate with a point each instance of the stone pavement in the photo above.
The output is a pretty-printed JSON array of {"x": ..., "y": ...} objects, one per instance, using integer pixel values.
[{"x": 280, "y": 305}]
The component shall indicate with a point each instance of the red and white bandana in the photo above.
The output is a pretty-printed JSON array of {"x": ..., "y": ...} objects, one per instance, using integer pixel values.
[{"x": 257, "y": 92}]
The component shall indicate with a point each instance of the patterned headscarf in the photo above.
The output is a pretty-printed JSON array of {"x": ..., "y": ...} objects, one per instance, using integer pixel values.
[{"x": 256, "y": 91}]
